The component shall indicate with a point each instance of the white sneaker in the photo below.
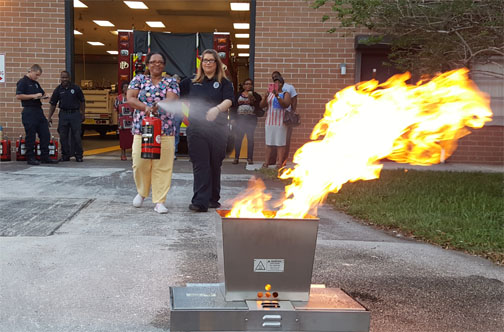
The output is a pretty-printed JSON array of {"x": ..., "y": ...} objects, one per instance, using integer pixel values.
[
  {"x": 160, "y": 208},
  {"x": 138, "y": 201}
]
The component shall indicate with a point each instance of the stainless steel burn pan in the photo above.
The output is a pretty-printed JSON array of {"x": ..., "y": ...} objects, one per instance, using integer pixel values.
[{"x": 268, "y": 258}]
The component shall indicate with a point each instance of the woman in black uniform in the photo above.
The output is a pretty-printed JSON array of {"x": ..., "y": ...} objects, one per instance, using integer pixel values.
[{"x": 210, "y": 94}]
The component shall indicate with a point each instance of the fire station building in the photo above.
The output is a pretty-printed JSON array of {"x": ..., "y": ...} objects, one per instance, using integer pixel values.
[{"x": 283, "y": 35}]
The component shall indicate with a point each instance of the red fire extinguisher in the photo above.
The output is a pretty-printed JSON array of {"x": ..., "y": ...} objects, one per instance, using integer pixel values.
[
  {"x": 5, "y": 150},
  {"x": 151, "y": 138},
  {"x": 53, "y": 148},
  {"x": 38, "y": 152},
  {"x": 20, "y": 149}
]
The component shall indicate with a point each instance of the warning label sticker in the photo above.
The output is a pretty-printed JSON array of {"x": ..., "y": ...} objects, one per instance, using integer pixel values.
[{"x": 268, "y": 265}]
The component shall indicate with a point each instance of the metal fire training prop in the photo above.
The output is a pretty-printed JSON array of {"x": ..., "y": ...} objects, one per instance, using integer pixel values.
[{"x": 267, "y": 267}]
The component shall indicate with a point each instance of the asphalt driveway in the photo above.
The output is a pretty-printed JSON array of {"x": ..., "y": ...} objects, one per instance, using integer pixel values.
[{"x": 75, "y": 255}]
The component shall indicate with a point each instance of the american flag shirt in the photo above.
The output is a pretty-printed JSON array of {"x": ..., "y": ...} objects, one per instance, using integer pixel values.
[{"x": 275, "y": 115}]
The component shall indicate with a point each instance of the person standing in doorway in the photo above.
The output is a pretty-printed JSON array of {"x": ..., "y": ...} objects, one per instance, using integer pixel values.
[
  {"x": 124, "y": 120},
  {"x": 210, "y": 95},
  {"x": 244, "y": 118},
  {"x": 72, "y": 106},
  {"x": 292, "y": 108},
  {"x": 30, "y": 93}
]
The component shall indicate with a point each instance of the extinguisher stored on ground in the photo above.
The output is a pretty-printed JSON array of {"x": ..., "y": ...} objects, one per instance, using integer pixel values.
[
  {"x": 5, "y": 149},
  {"x": 53, "y": 148},
  {"x": 151, "y": 138},
  {"x": 20, "y": 149}
]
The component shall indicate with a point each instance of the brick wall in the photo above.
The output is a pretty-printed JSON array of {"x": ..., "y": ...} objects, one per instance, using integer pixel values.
[
  {"x": 291, "y": 38},
  {"x": 30, "y": 32},
  {"x": 482, "y": 146}
]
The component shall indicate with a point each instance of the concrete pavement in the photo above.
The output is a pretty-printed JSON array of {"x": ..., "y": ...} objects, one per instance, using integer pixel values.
[{"x": 75, "y": 255}]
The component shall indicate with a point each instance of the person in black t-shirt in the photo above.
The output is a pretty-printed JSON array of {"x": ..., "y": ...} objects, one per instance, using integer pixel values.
[
  {"x": 71, "y": 115},
  {"x": 210, "y": 95},
  {"x": 34, "y": 121}
]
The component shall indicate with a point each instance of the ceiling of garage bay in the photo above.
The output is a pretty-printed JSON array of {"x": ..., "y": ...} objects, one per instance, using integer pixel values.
[{"x": 187, "y": 16}]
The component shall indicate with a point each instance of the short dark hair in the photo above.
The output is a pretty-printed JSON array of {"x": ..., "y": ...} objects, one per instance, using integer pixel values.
[
  {"x": 248, "y": 79},
  {"x": 36, "y": 68},
  {"x": 147, "y": 59},
  {"x": 66, "y": 72},
  {"x": 276, "y": 72}
]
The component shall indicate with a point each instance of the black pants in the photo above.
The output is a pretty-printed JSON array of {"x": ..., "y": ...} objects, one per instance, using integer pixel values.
[
  {"x": 245, "y": 125},
  {"x": 35, "y": 122},
  {"x": 69, "y": 129},
  {"x": 207, "y": 150}
]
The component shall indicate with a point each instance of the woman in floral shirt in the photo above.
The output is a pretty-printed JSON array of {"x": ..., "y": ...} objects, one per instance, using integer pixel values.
[{"x": 144, "y": 92}]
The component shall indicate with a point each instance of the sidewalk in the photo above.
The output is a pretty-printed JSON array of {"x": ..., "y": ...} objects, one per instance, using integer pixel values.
[
  {"x": 445, "y": 167},
  {"x": 75, "y": 255}
]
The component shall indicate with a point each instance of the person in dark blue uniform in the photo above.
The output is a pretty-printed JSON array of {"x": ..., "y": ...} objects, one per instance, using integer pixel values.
[
  {"x": 71, "y": 115},
  {"x": 29, "y": 91},
  {"x": 210, "y": 95}
]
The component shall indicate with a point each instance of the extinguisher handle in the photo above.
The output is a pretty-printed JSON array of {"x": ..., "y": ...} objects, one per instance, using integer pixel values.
[
  {"x": 155, "y": 109},
  {"x": 148, "y": 111}
]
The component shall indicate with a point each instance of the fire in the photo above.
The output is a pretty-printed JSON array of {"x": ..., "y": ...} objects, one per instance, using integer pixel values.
[
  {"x": 252, "y": 202},
  {"x": 416, "y": 124}
]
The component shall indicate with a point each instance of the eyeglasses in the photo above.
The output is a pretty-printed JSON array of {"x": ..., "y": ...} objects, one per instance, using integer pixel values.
[
  {"x": 210, "y": 61},
  {"x": 156, "y": 62}
]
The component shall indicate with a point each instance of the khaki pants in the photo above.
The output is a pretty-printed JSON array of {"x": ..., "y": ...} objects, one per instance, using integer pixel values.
[{"x": 153, "y": 172}]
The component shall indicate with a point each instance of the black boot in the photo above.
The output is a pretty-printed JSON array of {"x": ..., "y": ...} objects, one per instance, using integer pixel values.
[
  {"x": 48, "y": 160},
  {"x": 197, "y": 208}
]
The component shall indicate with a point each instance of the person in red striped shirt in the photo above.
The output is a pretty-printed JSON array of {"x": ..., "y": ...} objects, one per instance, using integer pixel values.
[{"x": 276, "y": 132}]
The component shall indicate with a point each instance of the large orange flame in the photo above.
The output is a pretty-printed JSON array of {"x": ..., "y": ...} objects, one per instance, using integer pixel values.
[{"x": 417, "y": 124}]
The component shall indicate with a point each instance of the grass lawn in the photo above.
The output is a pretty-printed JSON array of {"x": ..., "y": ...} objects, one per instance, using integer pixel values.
[{"x": 456, "y": 210}]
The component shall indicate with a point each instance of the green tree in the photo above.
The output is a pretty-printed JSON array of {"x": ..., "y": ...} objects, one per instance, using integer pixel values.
[{"x": 428, "y": 36}]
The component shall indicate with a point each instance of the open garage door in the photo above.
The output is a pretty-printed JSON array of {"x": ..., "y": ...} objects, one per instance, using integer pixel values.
[{"x": 96, "y": 25}]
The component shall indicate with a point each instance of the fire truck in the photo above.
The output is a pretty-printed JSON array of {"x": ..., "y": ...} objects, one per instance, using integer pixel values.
[{"x": 100, "y": 114}]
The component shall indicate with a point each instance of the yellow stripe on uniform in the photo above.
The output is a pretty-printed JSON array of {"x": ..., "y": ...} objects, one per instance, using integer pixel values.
[{"x": 102, "y": 150}]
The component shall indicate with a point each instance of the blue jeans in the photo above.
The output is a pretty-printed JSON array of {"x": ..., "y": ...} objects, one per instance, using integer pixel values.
[{"x": 178, "y": 122}]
